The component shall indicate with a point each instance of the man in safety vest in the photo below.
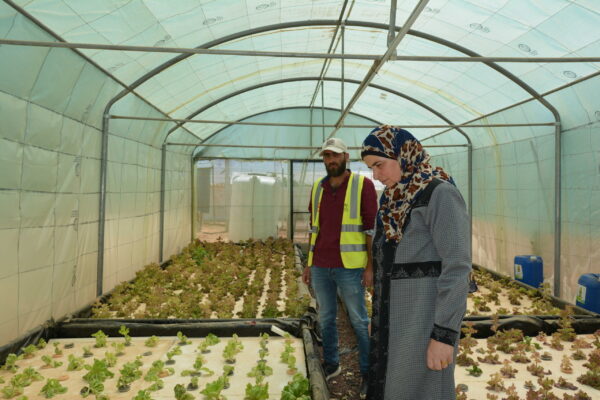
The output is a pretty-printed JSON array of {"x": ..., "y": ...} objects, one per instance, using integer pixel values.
[{"x": 343, "y": 207}]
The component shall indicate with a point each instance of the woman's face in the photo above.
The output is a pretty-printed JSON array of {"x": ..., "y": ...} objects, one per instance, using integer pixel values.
[{"x": 385, "y": 170}]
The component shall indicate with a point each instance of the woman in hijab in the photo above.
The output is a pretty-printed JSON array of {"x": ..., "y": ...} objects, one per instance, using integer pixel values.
[{"x": 422, "y": 260}]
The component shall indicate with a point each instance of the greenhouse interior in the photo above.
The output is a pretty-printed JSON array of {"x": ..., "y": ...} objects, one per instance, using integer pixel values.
[{"x": 156, "y": 165}]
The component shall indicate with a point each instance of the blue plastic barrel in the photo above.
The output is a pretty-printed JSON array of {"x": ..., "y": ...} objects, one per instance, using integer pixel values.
[
  {"x": 588, "y": 292},
  {"x": 529, "y": 270}
]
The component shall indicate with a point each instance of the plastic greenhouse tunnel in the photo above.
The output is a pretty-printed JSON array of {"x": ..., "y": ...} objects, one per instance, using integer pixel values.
[{"x": 157, "y": 163}]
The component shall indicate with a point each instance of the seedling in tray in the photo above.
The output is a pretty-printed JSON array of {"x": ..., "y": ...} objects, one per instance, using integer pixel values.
[
  {"x": 181, "y": 393},
  {"x": 119, "y": 347},
  {"x": 129, "y": 373},
  {"x": 212, "y": 390},
  {"x": 52, "y": 388},
  {"x": 198, "y": 368},
  {"x": 183, "y": 340},
  {"x": 170, "y": 354},
  {"x": 11, "y": 363},
  {"x": 123, "y": 330},
  {"x": 75, "y": 363},
  {"x": 152, "y": 341},
  {"x": 297, "y": 389},
  {"x": 143, "y": 395},
  {"x": 257, "y": 392},
  {"x": 87, "y": 352},
  {"x": 50, "y": 363},
  {"x": 100, "y": 339},
  {"x": 57, "y": 350}
]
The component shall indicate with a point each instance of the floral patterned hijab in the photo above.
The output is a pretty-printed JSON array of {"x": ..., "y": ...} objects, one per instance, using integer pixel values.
[{"x": 416, "y": 173}]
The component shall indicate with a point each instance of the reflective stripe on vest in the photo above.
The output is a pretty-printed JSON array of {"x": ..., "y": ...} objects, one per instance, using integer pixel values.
[{"x": 353, "y": 244}]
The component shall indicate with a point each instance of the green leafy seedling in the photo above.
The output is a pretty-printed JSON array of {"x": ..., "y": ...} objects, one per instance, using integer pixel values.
[
  {"x": 75, "y": 363},
  {"x": 297, "y": 389},
  {"x": 57, "y": 350},
  {"x": 50, "y": 363},
  {"x": 212, "y": 390},
  {"x": 11, "y": 391},
  {"x": 29, "y": 351},
  {"x": 11, "y": 363},
  {"x": 257, "y": 392},
  {"x": 52, "y": 388},
  {"x": 123, "y": 330},
  {"x": 119, "y": 348},
  {"x": 87, "y": 352},
  {"x": 143, "y": 395},
  {"x": 183, "y": 340},
  {"x": 181, "y": 393},
  {"x": 100, "y": 339},
  {"x": 152, "y": 341}
]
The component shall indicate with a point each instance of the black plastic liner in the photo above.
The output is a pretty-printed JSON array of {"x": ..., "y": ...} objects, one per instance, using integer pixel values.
[
  {"x": 531, "y": 325},
  {"x": 170, "y": 327}
]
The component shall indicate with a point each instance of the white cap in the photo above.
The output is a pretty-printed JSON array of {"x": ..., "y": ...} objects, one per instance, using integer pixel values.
[{"x": 334, "y": 144}]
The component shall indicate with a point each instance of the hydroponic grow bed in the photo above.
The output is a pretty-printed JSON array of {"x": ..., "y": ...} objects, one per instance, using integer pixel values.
[{"x": 141, "y": 356}]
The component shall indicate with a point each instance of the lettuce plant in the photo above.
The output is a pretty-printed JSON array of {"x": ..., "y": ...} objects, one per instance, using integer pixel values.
[
  {"x": 257, "y": 392},
  {"x": 123, "y": 330},
  {"x": 297, "y": 389},
  {"x": 75, "y": 363},
  {"x": 152, "y": 341},
  {"x": 52, "y": 388},
  {"x": 181, "y": 393},
  {"x": 143, "y": 395},
  {"x": 11, "y": 363},
  {"x": 100, "y": 339},
  {"x": 212, "y": 390},
  {"x": 183, "y": 340}
]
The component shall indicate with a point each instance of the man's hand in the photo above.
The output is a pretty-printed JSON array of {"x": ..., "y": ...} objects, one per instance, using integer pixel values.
[
  {"x": 439, "y": 355},
  {"x": 367, "y": 280},
  {"x": 306, "y": 275}
]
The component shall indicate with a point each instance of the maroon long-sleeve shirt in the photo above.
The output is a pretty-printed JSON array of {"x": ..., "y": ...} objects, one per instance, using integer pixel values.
[{"x": 327, "y": 248}]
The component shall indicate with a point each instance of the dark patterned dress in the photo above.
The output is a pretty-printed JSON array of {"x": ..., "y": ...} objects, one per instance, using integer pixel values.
[{"x": 421, "y": 287}]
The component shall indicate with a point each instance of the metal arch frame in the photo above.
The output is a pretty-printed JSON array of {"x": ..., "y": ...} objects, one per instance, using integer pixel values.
[
  {"x": 374, "y": 86},
  {"x": 443, "y": 42},
  {"x": 280, "y": 109},
  {"x": 514, "y": 79}
]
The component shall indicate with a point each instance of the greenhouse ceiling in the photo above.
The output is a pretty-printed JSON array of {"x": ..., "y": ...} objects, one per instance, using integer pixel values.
[{"x": 425, "y": 65}]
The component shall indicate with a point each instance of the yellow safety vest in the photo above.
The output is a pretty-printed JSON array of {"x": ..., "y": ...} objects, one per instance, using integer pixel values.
[{"x": 353, "y": 240}]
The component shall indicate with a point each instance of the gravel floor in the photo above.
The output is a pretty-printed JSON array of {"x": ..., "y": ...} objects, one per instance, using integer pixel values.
[{"x": 346, "y": 386}]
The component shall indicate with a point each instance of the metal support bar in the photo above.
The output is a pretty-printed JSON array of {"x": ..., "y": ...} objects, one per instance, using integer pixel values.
[
  {"x": 378, "y": 63},
  {"x": 343, "y": 64},
  {"x": 287, "y": 54},
  {"x": 161, "y": 237},
  {"x": 192, "y": 199},
  {"x": 331, "y": 46},
  {"x": 416, "y": 126},
  {"x": 250, "y": 146},
  {"x": 291, "y": 226},
  {"x": 392, "y": 30},
  {"x": 323, "y": 111},
  {"x": 102, "y": 206},
  {"x": 557, "y": 208}
]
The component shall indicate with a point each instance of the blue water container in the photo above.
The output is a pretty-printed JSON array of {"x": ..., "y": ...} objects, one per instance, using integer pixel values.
[
  {"x": 588, "y": 292},
  {"x": 529, "y": 270}
]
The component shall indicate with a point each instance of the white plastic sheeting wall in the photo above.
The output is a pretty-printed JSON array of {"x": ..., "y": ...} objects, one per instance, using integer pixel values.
[{"x": 51, "y": 107}]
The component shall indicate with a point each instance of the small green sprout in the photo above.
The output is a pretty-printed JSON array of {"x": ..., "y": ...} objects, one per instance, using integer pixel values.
[{"x": 100, "y": 339}]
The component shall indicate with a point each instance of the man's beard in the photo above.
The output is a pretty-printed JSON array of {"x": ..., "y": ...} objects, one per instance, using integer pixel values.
[{"x": 333, "y": 171}]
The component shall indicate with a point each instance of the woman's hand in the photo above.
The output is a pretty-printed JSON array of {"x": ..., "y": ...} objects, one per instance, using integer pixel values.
[{"x": 439, "y": 355}]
